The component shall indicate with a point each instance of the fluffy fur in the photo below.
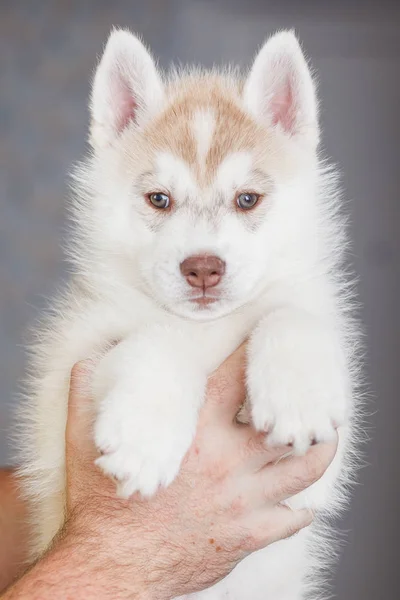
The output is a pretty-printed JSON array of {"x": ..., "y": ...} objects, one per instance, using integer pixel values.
[{"x": 201, "y": 138}]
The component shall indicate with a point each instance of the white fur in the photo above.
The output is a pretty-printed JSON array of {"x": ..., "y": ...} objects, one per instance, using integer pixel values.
[
  {"x": 203, "y": 126},
  {"x": 285, "y": 284},
  {"x": 139, "y": 363},
  {"x": 173, "y": 173},
  {"x": 234, "y": 171}
]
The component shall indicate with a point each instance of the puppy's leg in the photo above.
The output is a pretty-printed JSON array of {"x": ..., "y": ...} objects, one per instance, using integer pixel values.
[{"x": 149, "y": 389}]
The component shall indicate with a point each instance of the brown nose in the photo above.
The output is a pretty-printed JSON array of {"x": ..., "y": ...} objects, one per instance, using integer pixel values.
[{"x": 203, "y": 271}]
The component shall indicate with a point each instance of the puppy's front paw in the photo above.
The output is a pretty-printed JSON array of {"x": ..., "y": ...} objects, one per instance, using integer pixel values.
[
  {"x": 297, "y": 384},
  {"x": 298, "y": 422},
  {"x": 146, "y": 417},
  {"x": 141, "y": 450}
]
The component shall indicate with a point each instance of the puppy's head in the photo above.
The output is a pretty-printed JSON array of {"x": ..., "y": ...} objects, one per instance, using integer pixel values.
[{"x": 199, "y": 182}]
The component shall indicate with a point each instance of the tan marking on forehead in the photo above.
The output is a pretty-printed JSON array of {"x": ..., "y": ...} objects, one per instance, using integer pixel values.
[
  {"x": 172, "y": 132},
  {"x": 234, "y": 132},
  {"x": 233, "y": 129}
]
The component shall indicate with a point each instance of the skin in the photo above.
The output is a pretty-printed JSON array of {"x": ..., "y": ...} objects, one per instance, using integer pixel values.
[
  {"x": 223, "y": 505},
  {"x": 12, "y": 529}
]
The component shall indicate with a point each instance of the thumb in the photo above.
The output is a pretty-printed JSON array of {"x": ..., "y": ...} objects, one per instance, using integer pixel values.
[
  {"x": 226, "y": 389},
  {"x": 78, "y": 433}
]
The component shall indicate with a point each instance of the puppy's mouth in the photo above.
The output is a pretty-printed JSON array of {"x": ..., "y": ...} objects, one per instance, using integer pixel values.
[
  {"x": 204, "y": 301},
  {"x": 205, "y": 298}
]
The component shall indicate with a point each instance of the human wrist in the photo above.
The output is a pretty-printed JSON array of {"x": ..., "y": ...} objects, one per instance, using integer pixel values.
[
  {"x": 75, "y": 567},
  {"x": 101, "y": 569},
  {"x": 116, "y": 558},
  {"x": 121, "y": 539}
]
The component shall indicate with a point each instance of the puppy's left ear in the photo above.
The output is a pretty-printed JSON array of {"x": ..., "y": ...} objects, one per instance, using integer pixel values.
[{"x": 280, "y": 92}]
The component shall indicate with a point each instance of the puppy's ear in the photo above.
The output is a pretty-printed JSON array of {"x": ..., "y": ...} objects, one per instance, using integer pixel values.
[
  {"x": 279, "y": 90},
  {"x": 126, "y": 88}
]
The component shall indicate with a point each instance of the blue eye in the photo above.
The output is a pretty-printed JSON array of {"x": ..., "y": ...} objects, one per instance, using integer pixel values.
[
  {"x": 159, "y": 200},
  {"x": 247, "y": 200}
]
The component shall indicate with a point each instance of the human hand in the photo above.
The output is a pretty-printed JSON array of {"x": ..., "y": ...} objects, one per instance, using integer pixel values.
[{"x": 223, "y": 505}]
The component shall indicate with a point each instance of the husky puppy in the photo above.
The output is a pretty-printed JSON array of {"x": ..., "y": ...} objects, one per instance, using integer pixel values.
[{"x": 202, "y": 216}]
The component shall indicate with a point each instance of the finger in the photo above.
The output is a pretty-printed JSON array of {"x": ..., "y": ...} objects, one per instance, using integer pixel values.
[
  {"x": 253, "y": 452},
  {"x": 226, "y": 386},
  {"x": 286, "y": 522},
  {"x": 273, "y": 524},
  {"x": 289, "y": 476},
  {"x": 78, "y": 433}
]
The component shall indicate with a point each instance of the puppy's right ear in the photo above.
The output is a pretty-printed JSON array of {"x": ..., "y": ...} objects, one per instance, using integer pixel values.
[{"x": 126, "y": 88}]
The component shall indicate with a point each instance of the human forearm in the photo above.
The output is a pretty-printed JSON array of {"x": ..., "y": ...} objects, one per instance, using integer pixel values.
[{"x": 12, "y": 528}]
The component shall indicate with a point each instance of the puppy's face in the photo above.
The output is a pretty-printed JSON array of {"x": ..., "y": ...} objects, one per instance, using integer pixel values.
[{"x": 198, "y": 181}]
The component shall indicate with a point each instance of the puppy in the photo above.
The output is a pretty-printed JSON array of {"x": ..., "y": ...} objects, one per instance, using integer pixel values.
[{"x": 202, "y": 216}]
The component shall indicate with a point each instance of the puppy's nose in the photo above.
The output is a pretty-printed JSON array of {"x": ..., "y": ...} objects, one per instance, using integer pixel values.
[{"x": 203, "y": 271}]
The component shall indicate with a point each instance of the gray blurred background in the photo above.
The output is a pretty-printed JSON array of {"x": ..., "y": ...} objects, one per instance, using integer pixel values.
[{"x": 48, "y": 50}]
